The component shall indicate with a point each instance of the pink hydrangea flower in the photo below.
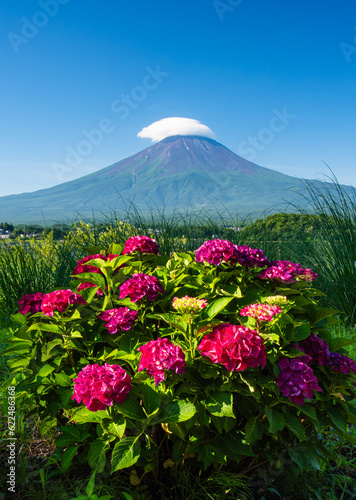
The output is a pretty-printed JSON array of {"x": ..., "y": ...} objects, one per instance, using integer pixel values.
[
  {"x": 216, "y": 251},
  {"x": 234, "y": 346},
  {"x": 120, "y": 317},
  {"x": 31, "y": 303},
  {"x": 316, "y": 348},
  {"x": 296, "y": 379},
  {"x": 250, "y": 257},
  {"x": 86, "y": 284},
  {"x": 140, "y": 286},
  {"x": 286, "y": 272},
  {"x": 188, "y": 305},
  {"x": 261, "y": 312},
  {"x": 142, "y": 244},
  {"x": 341, "y": 363},
  {"x": 59, "y": 300},
  {"x": 159, "y": 355},
  {"x": 99, "y": 386}
]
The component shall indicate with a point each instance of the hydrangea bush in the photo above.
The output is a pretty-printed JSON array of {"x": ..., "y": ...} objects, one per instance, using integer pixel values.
[{"x": 218, "y": 358}]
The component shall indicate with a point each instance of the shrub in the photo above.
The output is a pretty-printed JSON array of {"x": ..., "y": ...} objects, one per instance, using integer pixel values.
[{"x": 206, "y": 360}]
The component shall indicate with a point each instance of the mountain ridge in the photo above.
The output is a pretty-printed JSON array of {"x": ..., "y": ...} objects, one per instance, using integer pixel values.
[{"x": 179, "y": 172}]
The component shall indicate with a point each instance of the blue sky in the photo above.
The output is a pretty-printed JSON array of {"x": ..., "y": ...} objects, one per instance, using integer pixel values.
[{"x": 275, "y": 81}]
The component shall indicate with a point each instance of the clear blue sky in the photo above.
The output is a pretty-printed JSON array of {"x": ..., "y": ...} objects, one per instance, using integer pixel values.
[{"x": 233, "y": 65}]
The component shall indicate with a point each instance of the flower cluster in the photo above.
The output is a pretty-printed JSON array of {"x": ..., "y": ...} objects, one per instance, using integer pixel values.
[
  {"x": 121, "y": 317},
  {"x": 31, "y": 303},
  {"x": 159, "y": 355},
  {"x": 140, "y": 286},
  {"x": 234, "y": 346},
  {"x": 261, "y": 312},
  {"x": 250, "y": 257},
  {"x": 276, "y": 300},
  {"x": 341, "y": 363},
  {"x": 287, "y": 272},
  {"x": 99, "y": 386},
  {"x": 59, "y": 300},
  {"x": 216, "y": 251},
  {"x": 188, "y": 305},
  {"x": 316, "y": 348},
  {"x": 296, "y": 379},
  {"x": 142, "y": 244}
]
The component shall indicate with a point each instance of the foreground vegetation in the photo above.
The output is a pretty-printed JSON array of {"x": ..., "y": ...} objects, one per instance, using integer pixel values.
[{"x": 46, "y": 265}]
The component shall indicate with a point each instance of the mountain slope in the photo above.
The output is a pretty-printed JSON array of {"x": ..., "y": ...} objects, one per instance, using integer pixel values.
[{"x": 179, "y": 172}]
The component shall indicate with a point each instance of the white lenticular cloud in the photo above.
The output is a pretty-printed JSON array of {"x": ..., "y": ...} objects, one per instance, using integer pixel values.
[{"x": 175, "y": 126}]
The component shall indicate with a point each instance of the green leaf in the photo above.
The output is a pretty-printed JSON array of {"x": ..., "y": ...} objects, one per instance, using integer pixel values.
[
  {"x": 17, "y": 348},
  {"x": 45, "y": 327},
  {"x": 64, "y": 440},
  {"x": 46, "y": 370},
  {"x": 295, "y": 425},
  {"x": 301, "y": 332},
  {"x": 90, "y": 487},
  {"x": 53, "y": 344},
  {"x": 309, "y": 411},
  {"x": 253, "y": 429},
  {"x": 83, "y": 415},
  {"x": 276, "y": 420},
  {"x": 151, "y": 400},
  {"x": 117, "y": 428},
  {"x": 176, "y": 411},
  {"x": 132, "y": 409},
  {"x": 97, "y": 451},
  {"x": 233, "y": 442},
  {"x": 71, "y": 431},
  {"x": 337, "y": 418},
  {"x": 297, "y": 454},
  {"x": 68, "y": 456},
  {"x": 220, "y": 404},
  {"x": 215, "y": 307},
  {"x": 125, "y": 453},
  {"x": 340, "y": 342},
  {"x": 62, "y": 379}
]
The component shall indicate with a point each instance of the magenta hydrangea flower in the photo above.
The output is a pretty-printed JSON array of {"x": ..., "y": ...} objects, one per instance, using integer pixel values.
[
  {"x": 142, "y": 244},
  {"x": 296, "y": 379},
  {"x": 341, "y": 363},
  {"x": 216, "y": 251},
  {"x": 261, "y": 312},
  {"x": 86, "y": 284},
  {"x": 120, "y": 317},
  {"x": 99, "y": 386},
  {"x": 286, "y": 272},
  {"x": 159, "y": 355},
  {"x": 316, "y": 348},
  {"x": 250, "y": 257},
  {"x": 140, "y": 286},
  {"x": 234, "y": 346},
  {"x": 31, "y": 302},
  {"x": 59, "y": 300}
]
